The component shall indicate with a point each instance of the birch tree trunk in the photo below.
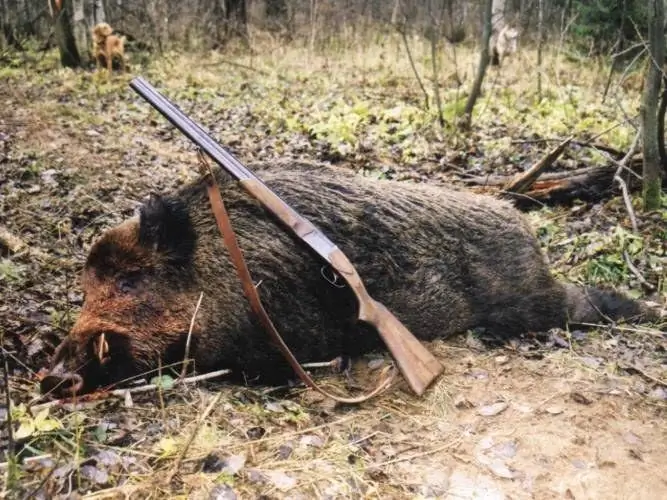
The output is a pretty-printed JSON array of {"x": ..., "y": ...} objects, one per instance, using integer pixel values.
[
  {"x": 497, "y": 15},
  {"x": 98, "y": 14},
  {"x": 652, "y": 182}
]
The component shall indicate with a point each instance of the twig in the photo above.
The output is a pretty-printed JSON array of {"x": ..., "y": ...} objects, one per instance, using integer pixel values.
[
  {"x": 434, "y": 54},
  {"x": 412, "y": 64},
  {"x": 583, "y": 144},
  {"x": 418, "y": 455},
  {"x": 187, "y": 342},
  {"x": 28, "y": 460},
  {"x": 636, "y": 272},
  {"x": 243, "y": 66},
  {"x": 144, "y": 388},
  {"x": 184, "y": 451},
  {"x": 10, "y": 433},
  {"x": 644, "y": 331},
  {"x": 622, "y": 183},
  {"x": 644, "y": 374},
  {"x": 31, "y": 494},
  {"x": 525, "y": 180}
]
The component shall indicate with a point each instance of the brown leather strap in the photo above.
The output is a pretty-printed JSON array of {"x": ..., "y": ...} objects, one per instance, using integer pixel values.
[{"x": 224, "y": 224}]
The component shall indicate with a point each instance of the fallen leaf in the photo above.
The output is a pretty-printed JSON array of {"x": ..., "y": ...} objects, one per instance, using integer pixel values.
[
  {"x": 499, "y": 469},
  {"x": 461, "y": 402},
  {"x": 493, "y": 409},
  {"x": 374, "y": 364},
  {"x": 222, "y": 492},
  {"x": 659, "y": 393},
  {"x": 233, "y": 464},
  {"x": 580, "y": 398},
  {"x": 311, "y": 440},
  {"x": 554, "y": 410},
  {"x": 501, "y": 360},
  {"x": 94, "y": 474},
  {"x": 281, "y": 480}
]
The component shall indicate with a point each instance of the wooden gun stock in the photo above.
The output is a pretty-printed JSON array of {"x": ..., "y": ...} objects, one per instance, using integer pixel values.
[{"x": 419, "y": 367}]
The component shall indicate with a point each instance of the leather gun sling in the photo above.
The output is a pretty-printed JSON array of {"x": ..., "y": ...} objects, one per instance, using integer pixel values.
[{"x": 225, "y": 227}]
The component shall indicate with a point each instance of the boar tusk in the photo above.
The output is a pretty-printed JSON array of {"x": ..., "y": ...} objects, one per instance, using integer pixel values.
[{"x": 102, "y": 349}]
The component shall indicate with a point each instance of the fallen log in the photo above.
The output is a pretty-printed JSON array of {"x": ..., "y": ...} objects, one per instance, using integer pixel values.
[{"x": 590, "y": 184}]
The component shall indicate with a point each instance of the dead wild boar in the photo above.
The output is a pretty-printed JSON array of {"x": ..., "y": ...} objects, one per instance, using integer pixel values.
[{"x": 442, "y": 261}]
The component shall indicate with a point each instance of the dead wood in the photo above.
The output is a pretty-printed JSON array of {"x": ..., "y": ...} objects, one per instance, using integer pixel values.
[
  {"x": 583, "y": 144},
  {"x": 590, "y": 184},
  {"x": 523, "y": 181}
]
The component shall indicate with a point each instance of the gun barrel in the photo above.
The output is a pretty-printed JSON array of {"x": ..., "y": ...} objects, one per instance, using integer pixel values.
[
  {"x": 191, "y": 129},
  {"x": 249, "y": 181}
]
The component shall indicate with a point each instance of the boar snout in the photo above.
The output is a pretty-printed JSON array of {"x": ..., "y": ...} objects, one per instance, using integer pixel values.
[{"x": 61, "y": 383}]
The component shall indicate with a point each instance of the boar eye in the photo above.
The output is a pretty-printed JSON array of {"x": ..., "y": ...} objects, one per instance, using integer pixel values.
[{"x": 127, "y": 283}]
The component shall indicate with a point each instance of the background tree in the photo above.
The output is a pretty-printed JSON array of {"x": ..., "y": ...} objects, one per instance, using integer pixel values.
[
  {"x": 652, "y": 173},
  {"x": 69, "y": 52},
  {"x": 484, "y": 59}
]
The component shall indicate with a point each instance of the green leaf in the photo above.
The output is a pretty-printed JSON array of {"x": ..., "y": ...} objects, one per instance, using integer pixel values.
[
  {"x": 165, "y": 382},
  {"x": 167, "y": 446}
]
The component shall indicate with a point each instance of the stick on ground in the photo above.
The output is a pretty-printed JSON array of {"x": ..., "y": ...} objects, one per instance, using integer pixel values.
[{"x": 525, "y": 180}]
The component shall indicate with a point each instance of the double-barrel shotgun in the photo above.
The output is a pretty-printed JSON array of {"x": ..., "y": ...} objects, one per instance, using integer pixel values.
[{"x": 419, "y": 367}]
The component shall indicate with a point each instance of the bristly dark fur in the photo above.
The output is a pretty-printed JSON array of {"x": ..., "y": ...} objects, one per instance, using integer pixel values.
[
  {"x": 164, "y": 224},
  {"x": 442, "y": 261}
]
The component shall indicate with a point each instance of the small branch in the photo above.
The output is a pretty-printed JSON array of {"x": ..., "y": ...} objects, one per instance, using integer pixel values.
[
  {"x": 10, "y": 479},
  {"x": 636, "y": 272},
  {"x": 434, "y": 54},
  {"x": 630, "y": 368},
  {"x": 622, "y": 184},
  {"x": 187, "y": 342},
  {"x": 184, "y": 451},
  {"x": 417, "y": 455},
  {"x": 412, "y": 64},
  {"x": 525, "y": 180},
  {"x": 121, "y": 393},
  {"x": 243, "y": 66}
]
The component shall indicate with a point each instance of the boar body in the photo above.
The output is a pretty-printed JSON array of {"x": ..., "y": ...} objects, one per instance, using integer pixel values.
[{"x": 442, "y": 261}]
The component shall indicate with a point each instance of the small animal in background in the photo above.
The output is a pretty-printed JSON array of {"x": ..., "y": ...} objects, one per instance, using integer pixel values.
[
  {"x": 505, "y": 44},
  {"x": 107, "y": 46}
]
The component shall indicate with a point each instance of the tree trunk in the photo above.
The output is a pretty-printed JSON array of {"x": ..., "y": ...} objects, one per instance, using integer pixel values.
[
  {"x": 540, "y": 39},
  {"x": 81, "y": 31},
  {"x": 69, "y": 55},
  {"x": 652, "y": 182},
  {"x": 483, "y": 64},
  {"x": 237, "y": 18},
  {"x": 98, "y": 14},
  {"x": 497, "y": 15},
  {"x": 4, "y": 17}
]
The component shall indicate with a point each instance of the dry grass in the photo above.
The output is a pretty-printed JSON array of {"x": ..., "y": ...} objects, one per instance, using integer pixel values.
[{"x": 574, "y": 422}]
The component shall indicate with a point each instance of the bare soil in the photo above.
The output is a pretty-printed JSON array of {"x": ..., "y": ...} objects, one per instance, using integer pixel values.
[{"x": 559, "y": 414}]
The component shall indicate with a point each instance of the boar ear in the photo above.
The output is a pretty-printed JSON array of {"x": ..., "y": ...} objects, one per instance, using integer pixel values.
[{"x": 165, "y": 226}]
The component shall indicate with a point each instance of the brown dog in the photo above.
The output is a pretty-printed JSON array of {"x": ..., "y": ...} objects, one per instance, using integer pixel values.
[{"x": 107, "y": 46}]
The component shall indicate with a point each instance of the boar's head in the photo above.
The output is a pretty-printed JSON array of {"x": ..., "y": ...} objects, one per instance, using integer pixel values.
[{"x": 137, "y": 280}]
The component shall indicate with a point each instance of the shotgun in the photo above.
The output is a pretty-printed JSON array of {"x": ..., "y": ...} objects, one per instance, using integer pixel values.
[{"x": 419, "y": 367}]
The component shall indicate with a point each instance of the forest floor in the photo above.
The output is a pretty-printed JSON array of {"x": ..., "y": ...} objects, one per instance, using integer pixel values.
[{"x": 558, "y": 414}]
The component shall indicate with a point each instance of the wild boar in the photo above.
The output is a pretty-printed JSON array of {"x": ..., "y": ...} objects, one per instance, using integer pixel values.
[{"x": 441, "y": 260}]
